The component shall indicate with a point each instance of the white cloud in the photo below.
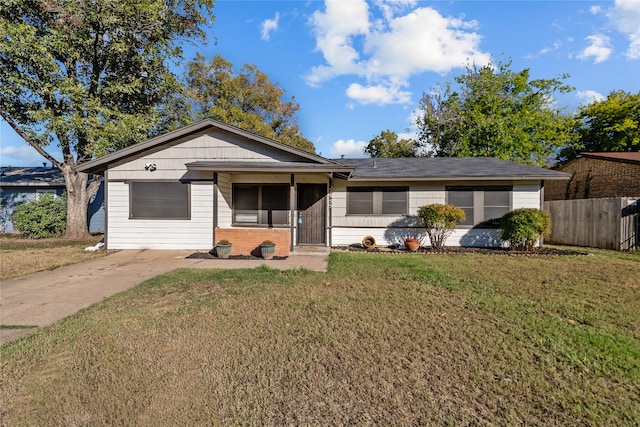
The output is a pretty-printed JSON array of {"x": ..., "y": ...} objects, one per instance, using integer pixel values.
[
  {"x": 388, "y": 51},
  {"x": 556, "y": 45},
  {"x": 625, "y": 17},
  {"x": 391, "y": 7},
  {"x": 420, "y": 41},
  {"x": 594, "y": 10},
  {"x": 334, "y": 30},
  {"x": 590, "y": 96},
  {"x": 347, "y": 148},
  {"x": 269, "y": 26},
  {"x": 599, "y": 48},
  {"x": 377, "y": 94},
  {"x": 12, "y": 155}
]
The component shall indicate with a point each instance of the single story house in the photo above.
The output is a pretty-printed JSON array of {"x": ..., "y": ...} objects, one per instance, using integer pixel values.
[
  {"x": 598, "y": 175},
  {"x": 21, "y": 184},
  {"x": 210, "y": 181}
]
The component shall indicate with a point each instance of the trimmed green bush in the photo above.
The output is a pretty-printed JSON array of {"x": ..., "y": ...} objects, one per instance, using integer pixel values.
[
  {"x": 439, "y": 221},
  {"x": 44, "y": 217},
  {"x": 522, "y": 228}
]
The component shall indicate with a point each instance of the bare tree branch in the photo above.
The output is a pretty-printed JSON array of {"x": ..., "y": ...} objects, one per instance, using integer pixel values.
[{"x": 29, "y": 140}]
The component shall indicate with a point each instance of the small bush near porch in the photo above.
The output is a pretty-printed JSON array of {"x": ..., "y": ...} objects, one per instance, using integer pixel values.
[{"x": 380, "y": 339}]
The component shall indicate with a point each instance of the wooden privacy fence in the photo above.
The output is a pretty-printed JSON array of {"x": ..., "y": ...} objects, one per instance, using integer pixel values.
[{"x": 609, "y": 223}]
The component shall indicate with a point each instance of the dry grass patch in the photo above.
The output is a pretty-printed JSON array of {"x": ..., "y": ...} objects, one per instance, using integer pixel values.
[
  {"x": 380, "y": 339},
  {"x": 19, "y": 257}
]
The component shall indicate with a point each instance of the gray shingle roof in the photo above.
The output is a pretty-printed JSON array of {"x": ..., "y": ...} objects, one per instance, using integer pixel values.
[
  {"x": 450, "y": 168},
  {"x": 31, "y": 176}
]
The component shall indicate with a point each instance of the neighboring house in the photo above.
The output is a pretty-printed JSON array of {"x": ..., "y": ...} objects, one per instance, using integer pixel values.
[
  {"x": 597, "y": 175},
  {"x": 210, "y": 181},
  {"x": 21, "y": 184}
]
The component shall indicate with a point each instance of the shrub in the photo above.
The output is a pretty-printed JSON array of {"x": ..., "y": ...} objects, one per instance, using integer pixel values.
[
  {"x": 522, "y": 228},
  {"x": 440, "y": 220},
  {"x": 44, "y": 217}
]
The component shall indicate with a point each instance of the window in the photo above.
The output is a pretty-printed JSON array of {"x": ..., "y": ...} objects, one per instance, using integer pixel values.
[
  {"x": 377, "y": 200},
  {"x": 41, "y": 191},
  {"x": 264, "y": 204},
  {"x": 483, "y": 206},
  {"x": 159, "y": 200}
]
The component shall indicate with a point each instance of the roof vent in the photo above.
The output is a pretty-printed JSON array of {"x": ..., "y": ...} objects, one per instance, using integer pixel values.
[{"x": 374, "y": 163}]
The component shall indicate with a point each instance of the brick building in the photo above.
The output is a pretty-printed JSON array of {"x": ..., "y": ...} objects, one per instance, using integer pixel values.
[{"x": 596, "y": 175}]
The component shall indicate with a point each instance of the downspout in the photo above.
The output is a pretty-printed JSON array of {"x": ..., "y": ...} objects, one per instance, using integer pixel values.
[
  {"x": 330, "y": 203},
  {"x": 292, "y": 192},
  {"x": 215, "y": 206}
]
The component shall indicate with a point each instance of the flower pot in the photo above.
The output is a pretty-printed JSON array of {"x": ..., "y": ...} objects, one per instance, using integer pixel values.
[
  {"x": 223, "y": 251},
  {"x": 369, "y": 243},
  {"x": 411, "y": 244},
  {"x": 267, "y": 250}
]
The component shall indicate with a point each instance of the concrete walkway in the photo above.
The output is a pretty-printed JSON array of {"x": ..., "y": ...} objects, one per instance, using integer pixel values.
[{"x": 43, "y": 298}]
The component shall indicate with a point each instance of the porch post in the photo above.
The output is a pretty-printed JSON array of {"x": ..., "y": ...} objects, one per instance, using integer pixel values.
[{"x": 292, "y": 205}]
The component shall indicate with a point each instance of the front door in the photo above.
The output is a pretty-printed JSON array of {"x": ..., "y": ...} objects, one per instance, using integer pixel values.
[{"x": 312, "y": 214}]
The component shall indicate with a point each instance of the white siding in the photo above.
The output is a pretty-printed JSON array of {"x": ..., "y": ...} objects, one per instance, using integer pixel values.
[
  {"x": 342, "y": 236},
  {"x": 419, "y": 194},
  {"x": 195, "y": 233},
  {"x": 526, "y": 195},
  {"x": 170, "y": 162},
  {"x": 224, "y": 200},
  {"x": 351, "y": 229}
]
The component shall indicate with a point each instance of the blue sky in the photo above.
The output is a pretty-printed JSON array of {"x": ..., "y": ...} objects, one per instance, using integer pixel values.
[{"x": 358, "y": 67}]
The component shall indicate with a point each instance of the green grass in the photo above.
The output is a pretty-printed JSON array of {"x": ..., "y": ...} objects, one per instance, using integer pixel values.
[
  {"x": 20, "y": 256},
  {"x": 380, "y": 339}
]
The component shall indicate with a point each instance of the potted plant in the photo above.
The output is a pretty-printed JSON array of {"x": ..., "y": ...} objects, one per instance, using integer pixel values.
[
  {"x": 412, "y": 244},
  {"x": 267, "y": 249},
  {"x": 223, "y": 248}
]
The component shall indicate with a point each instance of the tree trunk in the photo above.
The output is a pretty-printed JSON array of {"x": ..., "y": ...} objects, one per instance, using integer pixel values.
[{"x": 78, "y": 196}]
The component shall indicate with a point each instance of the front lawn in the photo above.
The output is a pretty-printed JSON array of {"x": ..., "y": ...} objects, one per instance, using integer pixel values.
[
  {"x": 20, "y": 256},
  {"x": 380, "y": 339}
]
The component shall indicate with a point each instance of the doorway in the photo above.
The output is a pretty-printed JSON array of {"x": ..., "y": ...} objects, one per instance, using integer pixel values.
[{"x": 312, "y": 217}]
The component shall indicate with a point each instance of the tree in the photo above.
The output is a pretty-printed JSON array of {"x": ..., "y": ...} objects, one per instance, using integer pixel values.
[
  {"x": 90, "y": 76},
  {"x": 247, "y": 99},
  {"x": 495, "y": 112},
  {"x": 387, "y": 145},
  {"x": 612, "y": 124}
]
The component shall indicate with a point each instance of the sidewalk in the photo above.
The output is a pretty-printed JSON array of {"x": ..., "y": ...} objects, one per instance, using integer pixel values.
[{"x": 43, "y": 298}]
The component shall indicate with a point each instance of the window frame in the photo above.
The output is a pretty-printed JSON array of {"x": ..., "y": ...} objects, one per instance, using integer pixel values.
[
  {"x": 478, "y": 208},
  {"x": 187, "y": 187},
  {"x": 42, "y": 191},
  {"x": 377, "y": 200},
  {"x": 260, "y": 206}
]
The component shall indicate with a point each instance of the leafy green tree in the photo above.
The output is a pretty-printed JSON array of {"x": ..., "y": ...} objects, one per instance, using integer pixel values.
[
  {"x": 387, "y": 145},
  {"x": 612, "y": 124},
  {"x": 91, "y": 76},
  {"x": 40, "y": 218},
  {"x": 492, "y": 111},
  {"x": 247, "y": 99}
]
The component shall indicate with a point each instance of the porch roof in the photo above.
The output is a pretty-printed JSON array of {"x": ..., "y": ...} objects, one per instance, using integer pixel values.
[{"x": 287, "y": 167}]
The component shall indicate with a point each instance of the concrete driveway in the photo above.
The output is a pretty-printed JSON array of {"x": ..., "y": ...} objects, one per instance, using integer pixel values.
[{"x": 43, "y": 298}]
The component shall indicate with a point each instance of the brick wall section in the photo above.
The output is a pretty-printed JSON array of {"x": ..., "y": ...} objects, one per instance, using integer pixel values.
[
  {"x": 608, "y": 179},
  {"x": 247, "y": 241}
]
